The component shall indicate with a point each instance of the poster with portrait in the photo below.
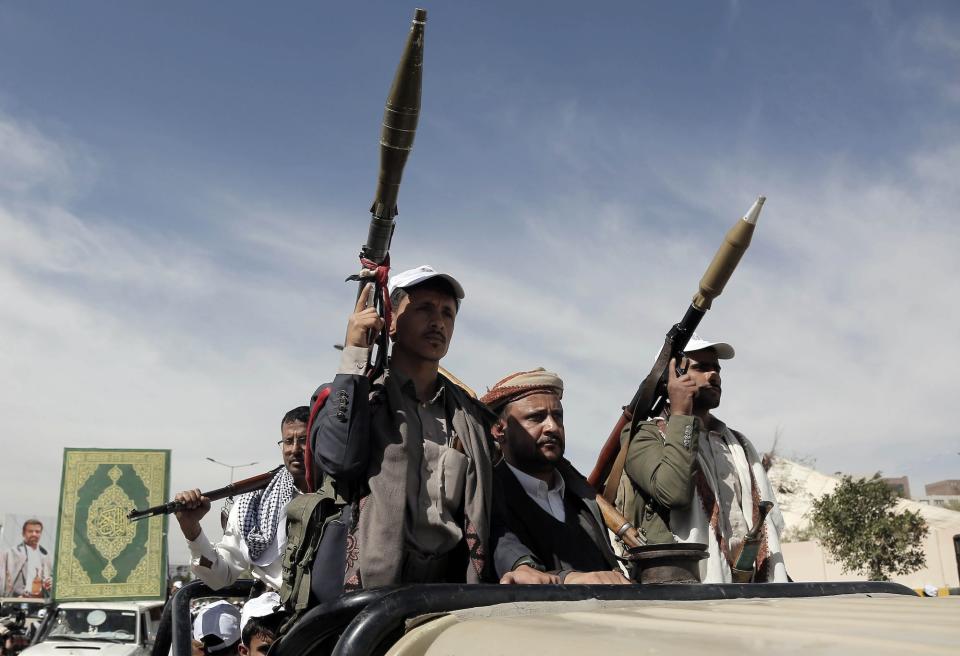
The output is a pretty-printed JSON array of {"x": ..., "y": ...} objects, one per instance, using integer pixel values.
[
  {"x": 26, "y": 554},
  {"x": 100, "y": 553},
  {"x": 11, "y": 529}
]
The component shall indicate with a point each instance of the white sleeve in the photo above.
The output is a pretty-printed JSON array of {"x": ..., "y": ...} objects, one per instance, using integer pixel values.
[
  {"x": 353, "y": 360},
  {"x": 221, "y": 564}
]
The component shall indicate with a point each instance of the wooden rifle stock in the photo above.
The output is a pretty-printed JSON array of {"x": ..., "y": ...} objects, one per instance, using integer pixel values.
[
  {"x": 608, "y": 453},
  {"x": 619, "y": 524},
  {"x": 244, "y": 486}
]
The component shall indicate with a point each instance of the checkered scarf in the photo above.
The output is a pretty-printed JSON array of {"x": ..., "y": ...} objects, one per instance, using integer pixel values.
[{"x": 259, "y": 512}]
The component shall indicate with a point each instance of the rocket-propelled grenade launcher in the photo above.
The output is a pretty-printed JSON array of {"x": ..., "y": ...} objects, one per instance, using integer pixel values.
[
  {"x": 396, "y": 140},
  {"x": 397, "y": 133},
  {"x": 652, "y": 394},
  {"x": 252, "y": 484}
]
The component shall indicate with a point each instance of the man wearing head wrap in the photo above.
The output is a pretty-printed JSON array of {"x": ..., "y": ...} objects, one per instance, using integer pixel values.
[
  {"x": 547, "y": 527},
  {"x": 688, "y": 477},
  {"x": 409, "y": 452}
]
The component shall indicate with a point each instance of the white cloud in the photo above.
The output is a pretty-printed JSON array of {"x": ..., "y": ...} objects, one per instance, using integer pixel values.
[
  {"x": 32, "y": 162},
  {"x": 118, "y": 335},
  {"x": 121, "y": 337}
]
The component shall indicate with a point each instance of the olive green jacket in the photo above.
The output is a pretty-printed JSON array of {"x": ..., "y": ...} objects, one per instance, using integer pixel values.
[{"x": 658, "y": 474}]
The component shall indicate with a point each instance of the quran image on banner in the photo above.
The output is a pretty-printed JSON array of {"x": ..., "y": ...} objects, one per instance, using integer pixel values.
[{"x": 100, "y": 553}]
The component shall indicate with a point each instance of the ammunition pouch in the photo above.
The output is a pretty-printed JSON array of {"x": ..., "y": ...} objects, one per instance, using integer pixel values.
[{"x": 308, "y": 518}]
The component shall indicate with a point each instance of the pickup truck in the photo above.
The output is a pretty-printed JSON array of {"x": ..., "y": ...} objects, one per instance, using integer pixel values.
[
  {"x": 872, "y": 618},
  {"x": 81, "y": 628}
]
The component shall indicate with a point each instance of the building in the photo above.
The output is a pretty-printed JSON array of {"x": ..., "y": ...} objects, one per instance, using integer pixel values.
[
  {"x": 949, "y": 488},
  {"x": 901, "y": 485}
]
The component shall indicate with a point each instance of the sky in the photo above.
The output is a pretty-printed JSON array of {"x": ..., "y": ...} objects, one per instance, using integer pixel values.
[{"x": 185, "y": 186}]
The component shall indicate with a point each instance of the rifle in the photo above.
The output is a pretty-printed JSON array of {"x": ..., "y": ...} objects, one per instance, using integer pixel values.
[
  {"x": 251, "y": 484},
  {"x": 619, "y": 525},
  {"x": 652, "y": 393},
  {"x": 397, "y": 132}
]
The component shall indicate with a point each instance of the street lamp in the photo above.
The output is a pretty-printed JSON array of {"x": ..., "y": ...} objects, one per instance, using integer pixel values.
[{"x": 231, "y": 467}]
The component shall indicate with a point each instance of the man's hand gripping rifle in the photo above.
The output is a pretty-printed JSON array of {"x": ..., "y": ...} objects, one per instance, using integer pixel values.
[
  {"x": 236, "y": 488},
  {"x": 652, "y": 393}
]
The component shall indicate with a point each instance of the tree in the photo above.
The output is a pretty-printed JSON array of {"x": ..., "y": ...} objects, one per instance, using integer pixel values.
[{"x": 858, "y": 524}]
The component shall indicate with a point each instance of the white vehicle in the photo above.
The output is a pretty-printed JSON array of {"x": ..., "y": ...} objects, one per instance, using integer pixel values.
[{"x": 81, "y": 628}]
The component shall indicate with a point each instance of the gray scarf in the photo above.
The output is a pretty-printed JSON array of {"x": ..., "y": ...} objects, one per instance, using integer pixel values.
[{"x": 380, "y": 533}]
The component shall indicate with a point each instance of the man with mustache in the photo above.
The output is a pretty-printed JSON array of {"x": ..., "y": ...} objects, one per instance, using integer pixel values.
[
  {"x": 547, "y": 527},
  {"x": 408, "y": 452},
  {"x": 690, "y": 478},
  {"x": 28, "y": 567},
  {"x": 254, "y": 537}
]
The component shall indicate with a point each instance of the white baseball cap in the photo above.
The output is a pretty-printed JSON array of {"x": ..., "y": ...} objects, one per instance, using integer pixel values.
[
  {"x": 265, "y": 604},
  {"x": 697, "y": 343},
  {"x": 220, "y": 619},
  {"x": 420, "y": 274}
]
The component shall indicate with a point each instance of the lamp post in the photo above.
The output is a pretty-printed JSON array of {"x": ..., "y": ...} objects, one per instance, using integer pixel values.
[{"x": 231, "y": 467}]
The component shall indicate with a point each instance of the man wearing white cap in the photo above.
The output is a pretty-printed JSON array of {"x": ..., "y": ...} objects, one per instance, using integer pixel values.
[
  {"x": 217, "y": 628},
  {"x": 410, "y": 451},
  {"x": 259, "y": 624},
  {"x": 690, "y": 478}
]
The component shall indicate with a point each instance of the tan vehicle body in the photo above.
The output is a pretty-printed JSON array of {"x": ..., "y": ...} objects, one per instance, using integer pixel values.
[{"x": 844, "y": 624}]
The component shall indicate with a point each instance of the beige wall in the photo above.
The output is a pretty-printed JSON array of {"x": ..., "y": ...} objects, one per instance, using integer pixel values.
[{"x": 807, "y": 561}]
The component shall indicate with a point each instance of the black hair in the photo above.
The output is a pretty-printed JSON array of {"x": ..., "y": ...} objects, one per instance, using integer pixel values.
[
  {"x": 300, "y": 413},
  {"x": 265, "y": 628},
  {"x": 30, "y": 522},
  {"x": 210, "y": 641}
]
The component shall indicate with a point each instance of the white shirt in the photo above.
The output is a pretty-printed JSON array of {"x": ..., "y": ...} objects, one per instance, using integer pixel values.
[
  {"x": 224, "y": 562},
  {"x": 550, "y": 499},
  {"x": 735, "y": 461}
]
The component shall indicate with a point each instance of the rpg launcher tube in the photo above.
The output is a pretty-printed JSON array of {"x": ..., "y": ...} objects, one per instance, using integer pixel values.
[
  {"x": 734, "y": 245},
  {"x": 396, "y": 139}
]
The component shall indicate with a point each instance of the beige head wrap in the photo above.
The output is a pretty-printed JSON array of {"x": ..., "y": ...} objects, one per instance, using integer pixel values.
[{"x": 521, "y": 384}]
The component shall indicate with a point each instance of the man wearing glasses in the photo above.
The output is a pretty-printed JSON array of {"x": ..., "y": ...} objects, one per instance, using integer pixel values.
[{"x": 255, "y": 533}]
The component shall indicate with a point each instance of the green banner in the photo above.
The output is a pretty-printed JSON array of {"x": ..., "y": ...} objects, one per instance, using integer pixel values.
[{"x": 100, "y": 553}]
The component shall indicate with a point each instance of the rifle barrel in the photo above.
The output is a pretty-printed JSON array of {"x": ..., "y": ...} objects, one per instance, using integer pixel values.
[{"x": 252, "y": 484}]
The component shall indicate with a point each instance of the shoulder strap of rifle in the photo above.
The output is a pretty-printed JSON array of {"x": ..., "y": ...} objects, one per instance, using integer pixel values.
[{"x": 616, "y": 471}]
